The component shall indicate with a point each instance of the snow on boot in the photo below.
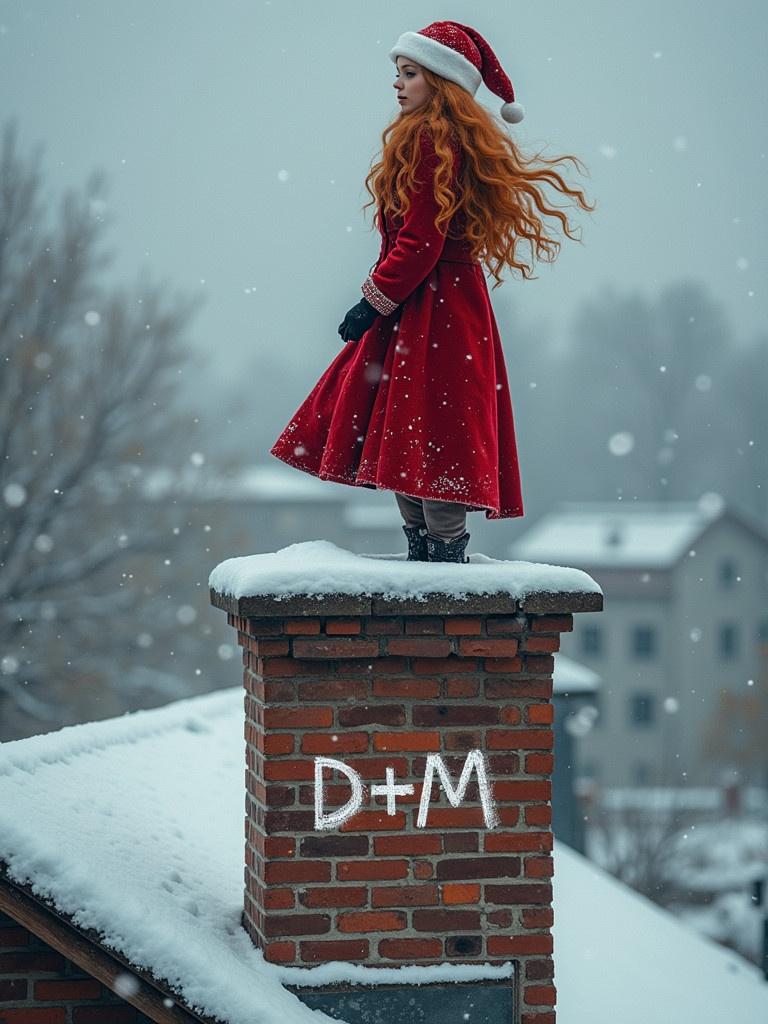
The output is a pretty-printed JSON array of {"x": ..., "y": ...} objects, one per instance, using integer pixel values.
[
  {"x": 417, "y": 543},
  {"x": 446, "y": 551}
]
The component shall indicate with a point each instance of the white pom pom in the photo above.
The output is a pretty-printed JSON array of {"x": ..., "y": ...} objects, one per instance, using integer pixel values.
[{"x": 513, "y": 112}]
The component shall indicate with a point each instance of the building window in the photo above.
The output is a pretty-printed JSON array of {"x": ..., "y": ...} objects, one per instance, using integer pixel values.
[
  {"x": 642, "y": 773},
  {"x": 728, "y": 640},
  {"x": 727, "y": 573},
  {"x": 644, "y": 642},
  {"x": 592, "y": 640},
  {"x": 642, "y": 709},
  {"x": 762, "y": 631}
]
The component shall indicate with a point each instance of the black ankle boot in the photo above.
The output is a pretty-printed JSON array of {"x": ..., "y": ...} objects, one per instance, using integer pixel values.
[
  {"x": 446, "y": 551},
  {"x": 417, "y": 543}
]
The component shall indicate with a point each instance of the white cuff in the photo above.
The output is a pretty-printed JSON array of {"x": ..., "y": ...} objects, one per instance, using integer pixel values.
[{"x": 377, "y": 298}]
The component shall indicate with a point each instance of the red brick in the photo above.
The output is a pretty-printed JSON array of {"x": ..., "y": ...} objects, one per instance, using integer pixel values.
[
  {"x": 456, "y": 892},
  {"x": 365, "y": 870},
  {"x": 423, "y": 689},
  {"x": 423, "y": 869},
  {"x": 268, "y": 648},
  {"x": 518, "y": 893},
  {"x": 75, "y": 988},
  {"x": 503, "y": 689},
  {"x": 540, "y": 764},
  {"x": 336, "y": 627},
  {"x": 421, "y": 647},
  {"x": 541, "y": 968},
  {"x": 338, "y": 648},
  {"x": 334, "y": 846},
  {"x": 511, "y": 945},
  {"x": 405, "y": 896},
  {"x": 442, "y": 666},
  {"x": 538, "y": 917},
  {"x": 304, "y": 626},
  {"x": 383, "y": 626},
  {"x": 294, "y": 667},
  {"x": 424, "y": 624},
  {"x": 261, "y": 627},
  {"x": 372, "y": 921},
  {"x": 372, "y": 714},
  {"x": 334, "y": 896},
  {"x": 279, "y": 871},
  {"x": 390, "y": 666},
  {"x": 540, "y": 713},
  {"x": 502, "y": 842},
  {"x": 504, "y": 665},
  {"x": 516, "y": 739},
  {"x": 510, "y": 715},
  {"x": 551, "y": 623},
  {"x": 333, "y": 689},
  {"x": 539, "y": 867},
  {"x": 343, "y": 743},
  {"x": 277, "y": 771},
  {"x": 541, "y": 644},
  {"x": 298, "y": 718},
  {"x": 280, "y": 952},
  {"x": 468, "y": 687},
  {"x": 375, "y": 768},
  {"x": 110, "y": 1013},
  {"x": 504, "y": 624},
  {"x": 277, "y": 743},
  {"x": 455, "y": 817},
  {"x": 464, "y": 740},
  {"x": 445, "y": 715},
  {"x": 539, "y": 663},
  {"x": 539, "y": 995},
  {"x": 39, "y": 1015},
  {"x": 278, "y": 899},
  {"x": 340, "y": 949},
  {"x": 445, "y": 920},
  {"x": 538, "y": 814},
  {"x": 487, "y": 648},
  {"x": 12, "y": 991},
  {"x": 410, "y": 949},
  {"x": 408, "y": 845},
  {"x": 37, "y": 961},
  {"x": 460, "y": 627},
  {"x": 278, "y": 925},
  {"x": 538, "y": 1018},
  {"x": 13, "y": 937},
  {"x": 374, "y": 821},
  {"x": 406, "y": 741},
  {"x": 505, "y": 790},
  {"x": 478, "y": 867}
]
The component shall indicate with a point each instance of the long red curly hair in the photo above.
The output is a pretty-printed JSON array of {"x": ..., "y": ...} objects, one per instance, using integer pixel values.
[{"x": 500, "y": 190}]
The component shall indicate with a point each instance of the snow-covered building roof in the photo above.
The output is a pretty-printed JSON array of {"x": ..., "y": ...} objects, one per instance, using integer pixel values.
[
  {"x": 571, "y": 677},
  {"x": 249, "y": 483},
  {"x": 133, "y": 828},
  {"x": 620, "y": 535}
]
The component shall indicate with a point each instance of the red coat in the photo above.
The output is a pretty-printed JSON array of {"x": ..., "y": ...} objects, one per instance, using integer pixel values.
[{"x": 420, "y": 404}]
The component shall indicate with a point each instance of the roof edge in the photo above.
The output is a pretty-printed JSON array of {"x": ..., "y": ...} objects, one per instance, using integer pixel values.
[{"x": 83, "y": 948}]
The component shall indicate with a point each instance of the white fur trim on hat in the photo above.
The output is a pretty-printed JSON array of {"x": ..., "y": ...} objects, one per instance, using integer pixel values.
[
  {"x": 443, "y": 60},
  {"x": 513, "y": 112}
]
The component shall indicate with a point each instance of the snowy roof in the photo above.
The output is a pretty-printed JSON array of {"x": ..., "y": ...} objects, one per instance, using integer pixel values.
[
  {"x": 618, "y": 535},
  {"x": 250, "y": 483},
  {"x": 319, "y": 569},
  {"x": 571, "y": 676},
  {"x": 133, "y": 827}
]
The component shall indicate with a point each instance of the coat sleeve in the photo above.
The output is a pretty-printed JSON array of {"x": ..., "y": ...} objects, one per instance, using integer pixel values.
[{"x": 418, "y": 243}]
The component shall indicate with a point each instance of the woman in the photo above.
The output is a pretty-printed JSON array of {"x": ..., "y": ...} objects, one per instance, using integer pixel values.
[{"x": 420, "y": 405}]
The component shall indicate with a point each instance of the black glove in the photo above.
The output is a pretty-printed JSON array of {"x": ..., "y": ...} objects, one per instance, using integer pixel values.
[{"x": 357, "y": 320}]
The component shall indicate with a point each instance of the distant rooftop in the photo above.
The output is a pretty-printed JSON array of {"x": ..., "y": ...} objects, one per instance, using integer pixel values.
[{"x": 623, "y": 535}]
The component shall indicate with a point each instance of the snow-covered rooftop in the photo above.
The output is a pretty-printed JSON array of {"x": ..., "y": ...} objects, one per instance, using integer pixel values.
[
  {"x": 134, "y": 827},
  {"x": 571, "y": 676},
  {"x": 249, "y": 483},
  {"x": 321, "y": 569},
  {"x": 653, "y": 535}
]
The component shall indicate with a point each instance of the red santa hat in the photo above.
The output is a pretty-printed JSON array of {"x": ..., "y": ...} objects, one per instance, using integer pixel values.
[{"x": 460, "y": 54}]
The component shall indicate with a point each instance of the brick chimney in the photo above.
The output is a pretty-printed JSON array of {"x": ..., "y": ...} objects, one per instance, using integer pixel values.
[{"x": 399, "y": 764}]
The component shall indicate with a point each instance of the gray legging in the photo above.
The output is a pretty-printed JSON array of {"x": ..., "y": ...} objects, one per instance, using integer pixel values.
[{"x": 443, "y": 519}]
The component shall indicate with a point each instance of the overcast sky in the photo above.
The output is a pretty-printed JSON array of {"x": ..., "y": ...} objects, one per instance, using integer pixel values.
[{"x": 237, "y": 135}]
